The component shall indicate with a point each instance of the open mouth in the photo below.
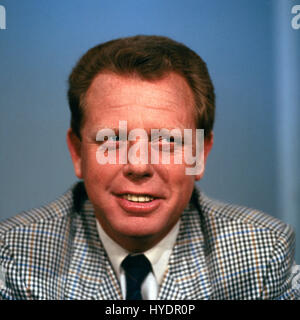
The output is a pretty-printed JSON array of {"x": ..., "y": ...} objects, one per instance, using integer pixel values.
[
  {"x": 138, "y": 198},
  {"x": 138, "y": 203}
]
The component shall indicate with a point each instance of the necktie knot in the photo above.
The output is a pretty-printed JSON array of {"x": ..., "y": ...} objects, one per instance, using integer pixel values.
[{"x": 136, "y": 269}]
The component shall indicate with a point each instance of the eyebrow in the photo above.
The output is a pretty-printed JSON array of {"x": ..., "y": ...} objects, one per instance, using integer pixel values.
[
  {"x": 94, "y": 130},
  {"x": 148, "y": 130}
]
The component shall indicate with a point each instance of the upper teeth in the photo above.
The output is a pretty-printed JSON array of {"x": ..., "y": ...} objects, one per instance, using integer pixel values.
[{"x": 136, "y": 198}]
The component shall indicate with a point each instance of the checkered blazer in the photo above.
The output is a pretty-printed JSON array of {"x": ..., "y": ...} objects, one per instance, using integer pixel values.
[{"x": 222, "y": 252}]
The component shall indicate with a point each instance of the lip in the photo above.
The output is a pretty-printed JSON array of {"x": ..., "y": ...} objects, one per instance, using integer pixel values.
[
  {"x": 138, "y": 207},
  {"x": 139, "y": 193}
]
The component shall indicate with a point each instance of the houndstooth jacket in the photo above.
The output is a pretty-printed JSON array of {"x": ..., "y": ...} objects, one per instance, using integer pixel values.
[{"x": 222, "y": 252}]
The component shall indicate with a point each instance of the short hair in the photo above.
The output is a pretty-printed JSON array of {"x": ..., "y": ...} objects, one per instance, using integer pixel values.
[{"x": 150, "y": 58}]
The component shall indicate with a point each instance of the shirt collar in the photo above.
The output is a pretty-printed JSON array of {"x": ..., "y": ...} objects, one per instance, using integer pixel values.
[{"x": 157, "y": 255}]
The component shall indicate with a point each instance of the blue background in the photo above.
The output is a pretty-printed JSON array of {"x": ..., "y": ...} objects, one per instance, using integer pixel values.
[{"x": 253, "y": 56}]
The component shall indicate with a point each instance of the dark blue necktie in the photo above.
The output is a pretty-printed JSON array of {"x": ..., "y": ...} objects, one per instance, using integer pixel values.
[{"x": 136, "y": 269}]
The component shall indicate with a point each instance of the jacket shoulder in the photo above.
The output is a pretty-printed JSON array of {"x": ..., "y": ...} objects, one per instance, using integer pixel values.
[
  {"x": 53, "y": 211},
  {"x": 35, "y": 248},
  {"x": 246, "y": 246},
  {"x": 245, "y": 216}
]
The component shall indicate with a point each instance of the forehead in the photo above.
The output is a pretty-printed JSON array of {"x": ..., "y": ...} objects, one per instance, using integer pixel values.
[{"x": 165, "y": 102}]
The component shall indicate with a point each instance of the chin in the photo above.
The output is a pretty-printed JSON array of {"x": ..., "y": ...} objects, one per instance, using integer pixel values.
[{"x": 143, "y": 228}]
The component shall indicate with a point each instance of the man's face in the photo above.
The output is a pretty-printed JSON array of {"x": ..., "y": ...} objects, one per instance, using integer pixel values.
[{"x": 113, "y": 189}]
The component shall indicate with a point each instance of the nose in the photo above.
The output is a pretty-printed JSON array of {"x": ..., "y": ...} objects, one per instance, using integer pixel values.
[
  {"x": 138, "y": 171},
  {"x": 138, "y": 166}
]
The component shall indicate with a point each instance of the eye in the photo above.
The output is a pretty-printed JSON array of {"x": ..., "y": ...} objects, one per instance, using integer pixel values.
[
  {"x": 168, "y": 139},
  {"x": 111, "y": 142},
  {"x": 112, "y": 138}
]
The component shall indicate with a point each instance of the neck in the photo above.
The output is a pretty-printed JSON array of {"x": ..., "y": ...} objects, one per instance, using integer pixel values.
[
  {"x": 133, "y": 243},
  {"x": 137, "y": 244}
]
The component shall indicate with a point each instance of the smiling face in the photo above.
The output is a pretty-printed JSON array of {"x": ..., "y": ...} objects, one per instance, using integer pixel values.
[{"x": 136, "y": 204}]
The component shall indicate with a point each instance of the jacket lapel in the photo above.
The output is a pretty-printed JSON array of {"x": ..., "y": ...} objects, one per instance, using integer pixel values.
[
  {"x": 90, "y": 274},
  {"x": 187, "y": 277}
]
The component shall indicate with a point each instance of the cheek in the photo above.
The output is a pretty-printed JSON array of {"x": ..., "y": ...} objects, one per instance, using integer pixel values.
[
  {"x": 183, "y": 182},
  {"x": 89, "y": 161},
  {"x": 175, "y": 176},
  {"x": 96, "y": 174},
  {"x": 91, "y": 169}
]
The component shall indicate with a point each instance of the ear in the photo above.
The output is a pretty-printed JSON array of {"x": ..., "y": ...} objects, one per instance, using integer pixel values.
[
  {"x": 74, "y": 145},
  {"x": 208, "y": 143}
]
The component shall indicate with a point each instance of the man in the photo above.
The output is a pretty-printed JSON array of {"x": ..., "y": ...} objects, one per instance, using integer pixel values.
[{"x": 141, "y": 229}]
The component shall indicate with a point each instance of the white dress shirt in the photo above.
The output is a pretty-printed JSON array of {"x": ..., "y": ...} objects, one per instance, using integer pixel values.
[{"x": 158, "y": 256}]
